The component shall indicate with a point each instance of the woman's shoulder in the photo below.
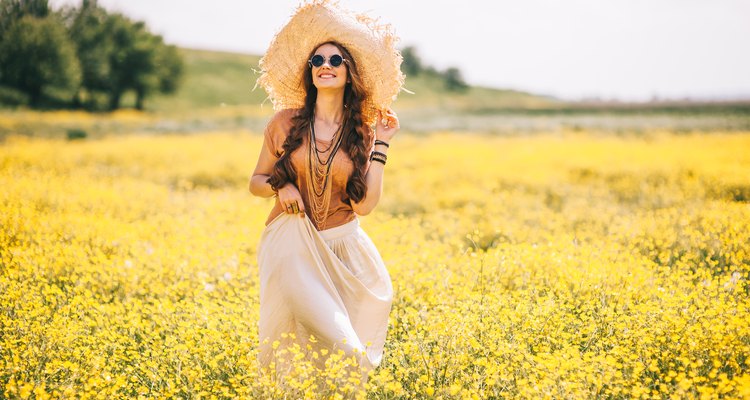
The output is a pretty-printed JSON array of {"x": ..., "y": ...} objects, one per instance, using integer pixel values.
[
  {"x": 285, "y": 115},
  {"x": 281, "y": 121}
]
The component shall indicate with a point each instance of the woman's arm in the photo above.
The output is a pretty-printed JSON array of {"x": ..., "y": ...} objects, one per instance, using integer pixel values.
[
  {"x": 374, "y": 177},
  {"x": 263, "y": 169},
  {"x": 288, "y": 194}
]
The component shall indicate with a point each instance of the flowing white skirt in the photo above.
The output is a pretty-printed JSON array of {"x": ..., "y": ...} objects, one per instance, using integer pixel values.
[{"x": 332, "y": 284}]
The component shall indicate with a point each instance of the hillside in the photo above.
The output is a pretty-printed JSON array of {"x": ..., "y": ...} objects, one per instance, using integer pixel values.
[
  {"x": 213, "y": 79},
  {"x": 217, "y": 94}
]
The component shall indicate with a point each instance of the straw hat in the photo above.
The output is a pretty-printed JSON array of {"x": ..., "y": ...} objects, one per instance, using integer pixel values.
[{"x": 372, "y": 46}]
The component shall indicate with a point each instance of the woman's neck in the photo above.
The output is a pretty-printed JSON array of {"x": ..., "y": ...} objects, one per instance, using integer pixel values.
[{"x": 329, "y": 107}]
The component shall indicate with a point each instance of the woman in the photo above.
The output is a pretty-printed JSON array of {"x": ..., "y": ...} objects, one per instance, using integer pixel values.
[{"x": 320, "y": 274}]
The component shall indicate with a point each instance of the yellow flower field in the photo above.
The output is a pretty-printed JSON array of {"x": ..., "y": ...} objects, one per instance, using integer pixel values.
[{"x": 566, "y": 265}]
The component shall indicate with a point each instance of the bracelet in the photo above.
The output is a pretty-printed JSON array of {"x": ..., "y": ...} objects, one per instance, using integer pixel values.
[
  {"x": 379, "y": 157},
  {"x": 379, "y": 154},
  {"x": 378, "y": 141}
]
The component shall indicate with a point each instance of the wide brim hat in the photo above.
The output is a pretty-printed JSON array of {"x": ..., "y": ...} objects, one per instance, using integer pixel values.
[{"x": 372, "y": 45}]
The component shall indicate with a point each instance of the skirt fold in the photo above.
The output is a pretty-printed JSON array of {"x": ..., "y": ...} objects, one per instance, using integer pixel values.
[{"x": 332, "y": 284}]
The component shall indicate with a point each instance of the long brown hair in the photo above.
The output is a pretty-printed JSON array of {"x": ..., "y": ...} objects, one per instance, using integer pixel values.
[{"x": 353, "y": 129}]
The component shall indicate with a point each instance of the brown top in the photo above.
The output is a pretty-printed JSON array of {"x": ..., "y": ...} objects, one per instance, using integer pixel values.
[{"x": 340, "y": 210}]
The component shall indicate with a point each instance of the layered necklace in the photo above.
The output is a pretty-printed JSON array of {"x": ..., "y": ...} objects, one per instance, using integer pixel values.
[{"x": 318, "y": 187}]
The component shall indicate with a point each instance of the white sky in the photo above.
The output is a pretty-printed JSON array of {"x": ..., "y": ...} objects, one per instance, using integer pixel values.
[{"x": 624, "y": 49}]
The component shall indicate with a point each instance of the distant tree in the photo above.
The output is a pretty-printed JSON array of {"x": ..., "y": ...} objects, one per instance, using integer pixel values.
[
  {"x": 119, "y": 55},
  {"x": 120, "y": 30},
  {"x": 161, "y": 69},
  {"x": 36, "y": 57},
  {"x": 13, "y": 10},
  {"x": 431, "y": 71},
  {"x": 454, "y": 81},
  {"x": 412, "y": 63},
  {"x": 139, "y": 61},
  {"x": 98, "y": 58},
  {"x": 170, "y": 69},
  {"x": 87, "y": 27}
]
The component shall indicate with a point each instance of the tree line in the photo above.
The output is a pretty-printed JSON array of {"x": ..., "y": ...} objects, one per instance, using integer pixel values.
[
  {"x": 413, "y": 65},
  {"x": 80, "y": 57}
]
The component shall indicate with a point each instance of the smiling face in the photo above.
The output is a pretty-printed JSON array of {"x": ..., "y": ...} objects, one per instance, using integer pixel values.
[{"x": 328, "y": 77}]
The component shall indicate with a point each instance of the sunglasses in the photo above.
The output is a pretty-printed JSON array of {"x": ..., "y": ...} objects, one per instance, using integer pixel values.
[{"x": 318, "y": 60}]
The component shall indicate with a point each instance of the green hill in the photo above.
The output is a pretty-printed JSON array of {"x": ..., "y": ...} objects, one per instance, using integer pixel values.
[
  {"x": 217, "y": 95},
  {"x": 430, "y": 93},
  {"x": 213, "y": 79},
  {"x": 216, "y": 79}
]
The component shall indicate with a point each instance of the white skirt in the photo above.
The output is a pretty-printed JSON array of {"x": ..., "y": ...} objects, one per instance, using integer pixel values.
[{"x": 331, "y": 284}]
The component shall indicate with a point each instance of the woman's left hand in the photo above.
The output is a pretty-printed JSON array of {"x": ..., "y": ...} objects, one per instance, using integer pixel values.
[{"x": 387, "y": 125}]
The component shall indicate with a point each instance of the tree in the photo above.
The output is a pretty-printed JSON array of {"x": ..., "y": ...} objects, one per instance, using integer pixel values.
[
  {"x": 93, "y": 47},
  {"x": 119, "y": 29},
  {"x": 13, "y": 10},
  {"x": 100, "y": 55},
  {"x": 119, "y": 55},
  {"x": 140, "y": 61},
  {"x": 453, "y": 80},
  {"x": 37, "y": 57},
  {"x": 162, "y": 67},
  {"x": 412, "y": 63},
  {"x": 170, "y": 69}
]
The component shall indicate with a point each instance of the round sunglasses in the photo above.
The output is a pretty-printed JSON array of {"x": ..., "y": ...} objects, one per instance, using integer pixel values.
[{"x": 318, "y": 60}]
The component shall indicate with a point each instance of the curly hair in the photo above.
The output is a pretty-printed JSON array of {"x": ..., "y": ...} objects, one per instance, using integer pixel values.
[{"x": 353, "y": 129}]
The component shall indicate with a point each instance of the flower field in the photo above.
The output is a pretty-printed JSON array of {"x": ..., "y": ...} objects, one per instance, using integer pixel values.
[{"x": 565, "y": 265}]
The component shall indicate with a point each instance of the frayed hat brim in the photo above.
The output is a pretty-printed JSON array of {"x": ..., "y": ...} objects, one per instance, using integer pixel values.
[{"x": 372, "y": 45}]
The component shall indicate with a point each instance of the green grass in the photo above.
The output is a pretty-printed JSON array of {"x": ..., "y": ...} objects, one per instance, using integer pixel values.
[
  {"x": 430, "y": 94},
  {"x": 213, "y": 79},
  {"x": 217, "y": 94}
]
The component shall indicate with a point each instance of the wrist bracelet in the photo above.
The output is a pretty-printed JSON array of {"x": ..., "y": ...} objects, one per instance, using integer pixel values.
[
  {"x": 379, "y": 154},
  {"x": 378, "y": 141},
  {"x": 380, "y": 160}
]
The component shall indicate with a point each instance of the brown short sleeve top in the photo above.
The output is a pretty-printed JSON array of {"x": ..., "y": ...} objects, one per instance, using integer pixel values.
[{"x": 340, "y": 210}]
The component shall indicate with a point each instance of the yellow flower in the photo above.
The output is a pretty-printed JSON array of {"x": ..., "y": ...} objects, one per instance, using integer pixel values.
[{"x": 566, "y": 265}]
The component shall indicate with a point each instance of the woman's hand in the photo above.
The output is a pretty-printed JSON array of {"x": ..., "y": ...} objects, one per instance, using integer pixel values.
[
  {"x": 290, "y": 200},
  {"x": 387, "y": 125}
]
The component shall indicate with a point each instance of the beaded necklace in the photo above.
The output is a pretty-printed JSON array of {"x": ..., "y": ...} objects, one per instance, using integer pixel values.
[{"x": 320, "y": 170}]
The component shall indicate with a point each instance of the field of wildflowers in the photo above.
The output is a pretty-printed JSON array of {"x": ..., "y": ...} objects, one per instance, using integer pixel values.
[{"x": 567, "y": 265}]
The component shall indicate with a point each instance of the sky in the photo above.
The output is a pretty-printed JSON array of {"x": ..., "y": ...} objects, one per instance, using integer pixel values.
[{"x": 629, "y": 50}]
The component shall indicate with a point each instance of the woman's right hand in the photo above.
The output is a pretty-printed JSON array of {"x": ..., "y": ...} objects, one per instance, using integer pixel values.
[{"x": 291, "y": 200}]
